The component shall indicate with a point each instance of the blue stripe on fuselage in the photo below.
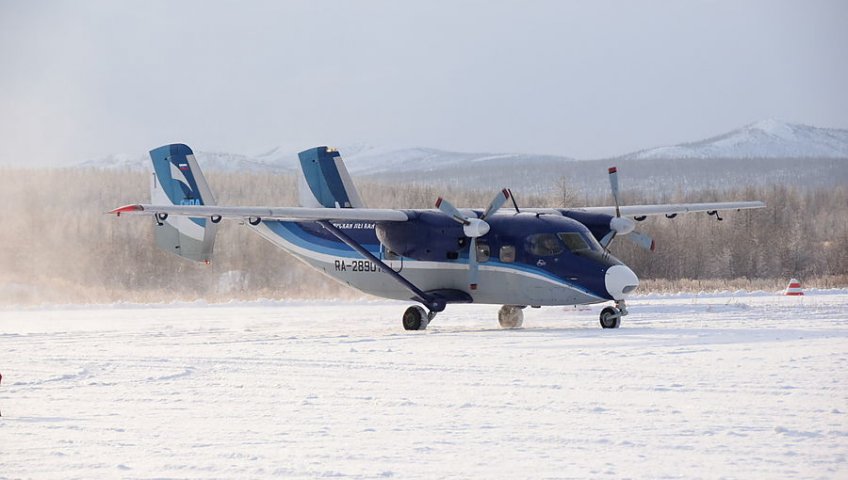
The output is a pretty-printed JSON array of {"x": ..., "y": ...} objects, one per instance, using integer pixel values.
[{"x": 313, "y": 237}]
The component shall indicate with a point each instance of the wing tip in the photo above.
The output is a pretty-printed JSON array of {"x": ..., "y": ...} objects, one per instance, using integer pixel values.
[{"x": 127, "y": 209}]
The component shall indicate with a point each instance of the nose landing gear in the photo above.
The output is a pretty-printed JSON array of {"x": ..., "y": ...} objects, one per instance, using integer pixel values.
[
  {"x": 611, "y": 316},
  {"x": 511, "y": 316}
]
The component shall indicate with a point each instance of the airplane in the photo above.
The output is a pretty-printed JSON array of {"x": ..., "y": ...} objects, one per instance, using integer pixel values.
[{"x": 514, "y": 257}]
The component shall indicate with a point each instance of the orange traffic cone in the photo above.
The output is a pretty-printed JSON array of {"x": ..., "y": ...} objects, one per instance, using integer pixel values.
[{"x": 794, "y": 288}]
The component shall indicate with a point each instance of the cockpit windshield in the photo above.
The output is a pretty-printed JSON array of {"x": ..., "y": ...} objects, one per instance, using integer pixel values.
[
  {"x": 578, "y": 243},
  {"x": 544, "y": 244},
  {"x": 550, "y": 244}
]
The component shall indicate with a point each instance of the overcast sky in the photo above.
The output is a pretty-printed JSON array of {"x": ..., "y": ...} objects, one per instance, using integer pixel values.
[{"x": 83, "y": 79}]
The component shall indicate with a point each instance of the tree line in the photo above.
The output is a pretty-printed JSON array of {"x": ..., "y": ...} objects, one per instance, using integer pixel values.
[{"x": 57, "y": 244}]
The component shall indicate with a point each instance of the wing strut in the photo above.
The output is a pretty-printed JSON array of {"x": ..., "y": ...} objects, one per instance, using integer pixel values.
[{"x": 432, "y": 302}]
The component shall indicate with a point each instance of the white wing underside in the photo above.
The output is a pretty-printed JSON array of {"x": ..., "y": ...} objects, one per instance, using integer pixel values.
[
  {"x": 390, "y": 215},
  {"x": 671, "y": 209},
  {"x": 269, "y": 213}
]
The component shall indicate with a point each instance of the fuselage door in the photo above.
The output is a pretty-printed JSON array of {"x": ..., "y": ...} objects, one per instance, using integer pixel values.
[{"x": 391, "y": 259}]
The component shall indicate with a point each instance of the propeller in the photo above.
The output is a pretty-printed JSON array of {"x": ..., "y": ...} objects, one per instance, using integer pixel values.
[
  {"x": 473, "y": 228},
  {"x": 622, "y": 225}
]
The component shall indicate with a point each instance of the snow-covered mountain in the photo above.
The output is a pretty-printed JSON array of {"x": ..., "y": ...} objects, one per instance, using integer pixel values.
[
  {"x": 375, "y": 161},
  {"x": 763, "y": 139},
  {"x": 360, "y": 159},
  {"x": 771, "y": 148},
  {"x": 209, "y": 161}
]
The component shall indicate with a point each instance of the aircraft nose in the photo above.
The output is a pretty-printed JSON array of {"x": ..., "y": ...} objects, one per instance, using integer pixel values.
[{"x": 620, "y": 281}]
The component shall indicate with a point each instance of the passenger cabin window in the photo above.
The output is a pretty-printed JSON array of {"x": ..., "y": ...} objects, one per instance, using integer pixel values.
[
  {"x": 544, "y": 244},
  {"x": 507, "y": 253},
  {"x": 575, "y": 242},
  {"x": 483, "y": 252}
]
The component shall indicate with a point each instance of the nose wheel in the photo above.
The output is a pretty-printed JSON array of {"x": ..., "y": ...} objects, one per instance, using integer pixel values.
[
  {"x": 611, "y": 316},
  {"x": 511, "y": 316}
]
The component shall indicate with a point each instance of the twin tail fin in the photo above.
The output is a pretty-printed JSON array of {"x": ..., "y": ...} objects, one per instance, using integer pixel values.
[{"x": 177, "y": 180}]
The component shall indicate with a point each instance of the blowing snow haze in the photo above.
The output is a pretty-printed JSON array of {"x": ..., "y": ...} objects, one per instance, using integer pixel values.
[{"x": 83, "y": 80}]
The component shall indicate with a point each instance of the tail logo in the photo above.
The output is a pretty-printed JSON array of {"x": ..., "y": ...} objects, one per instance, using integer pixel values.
[{"x": 178, "y": 175}]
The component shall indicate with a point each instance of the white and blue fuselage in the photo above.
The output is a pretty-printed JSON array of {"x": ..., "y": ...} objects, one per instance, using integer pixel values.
[{"x": 509, "y": 282}]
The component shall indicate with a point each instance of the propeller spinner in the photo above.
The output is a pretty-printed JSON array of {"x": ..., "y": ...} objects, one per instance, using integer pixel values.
[{"x": 473, "y": 228}]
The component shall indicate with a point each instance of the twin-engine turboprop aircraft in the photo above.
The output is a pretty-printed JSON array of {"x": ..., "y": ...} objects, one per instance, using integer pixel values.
[{"x": 511, "y": 257}]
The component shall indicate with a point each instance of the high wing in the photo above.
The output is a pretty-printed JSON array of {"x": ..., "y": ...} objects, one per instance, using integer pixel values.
[
  {"x": 266, "y": 213},
  {"x": 391, "y": 215},
  {"x": 672, "y": 208}
]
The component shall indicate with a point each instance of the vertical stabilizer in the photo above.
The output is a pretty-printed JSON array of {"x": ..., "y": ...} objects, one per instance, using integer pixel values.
[
  {"x": 177, "y": 180},
  {"x": 324, "y": 180}
]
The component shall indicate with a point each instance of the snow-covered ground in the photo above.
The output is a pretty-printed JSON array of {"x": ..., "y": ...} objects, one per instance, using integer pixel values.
[{"x": 728, "y": 385}]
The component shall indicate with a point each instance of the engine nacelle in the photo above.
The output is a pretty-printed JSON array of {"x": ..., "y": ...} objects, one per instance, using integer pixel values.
[{"x": 429, "y": 236}]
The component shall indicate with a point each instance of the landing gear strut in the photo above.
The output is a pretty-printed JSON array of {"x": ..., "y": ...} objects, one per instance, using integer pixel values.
[
  {"x": 611, "y": 316},
  {"x": 415, "y": 318},
  {"x": 511, "y": 316}
]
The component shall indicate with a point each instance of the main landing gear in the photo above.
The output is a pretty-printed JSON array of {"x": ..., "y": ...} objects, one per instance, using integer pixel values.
[
  {"x": 416, "y": 318},
  {"x": 611, "y": 316}
]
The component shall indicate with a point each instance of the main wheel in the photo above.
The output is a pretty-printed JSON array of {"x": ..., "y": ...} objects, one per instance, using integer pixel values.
[
  {"x": 510, "y": 316},
  {"x": 415, "y": 318},
  {"x": 610, "y": 318}
]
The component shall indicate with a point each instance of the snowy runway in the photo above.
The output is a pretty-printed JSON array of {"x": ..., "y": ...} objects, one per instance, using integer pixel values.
[{"x": 739, "y": 386}]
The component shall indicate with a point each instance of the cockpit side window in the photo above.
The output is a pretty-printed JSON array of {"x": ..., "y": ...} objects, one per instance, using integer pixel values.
[
  {"x": 483, "y": 252},
  {"x": 544, "y": 244},
  {"x": 575, "y": 242}
]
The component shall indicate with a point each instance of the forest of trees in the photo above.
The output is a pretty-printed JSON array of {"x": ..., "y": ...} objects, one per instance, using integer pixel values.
[{"x": 58, "y": 246}]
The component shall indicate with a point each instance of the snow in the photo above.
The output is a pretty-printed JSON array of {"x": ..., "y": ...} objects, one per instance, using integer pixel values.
[{"x": 732, "y": 384}]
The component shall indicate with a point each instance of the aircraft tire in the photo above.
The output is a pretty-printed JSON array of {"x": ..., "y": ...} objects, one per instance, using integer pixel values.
[
  {"x": 415, "y": 318},
  {"x": 610, "y": 318},
  {"x": 510, "y": 316}
]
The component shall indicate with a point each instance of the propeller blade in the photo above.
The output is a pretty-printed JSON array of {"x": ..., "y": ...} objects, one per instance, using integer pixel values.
[
  {"x": 472, "y": 264},
  {"x": 642, "y": 240},
  {"x": 447, "y": 208},
  {"x": 496, "y": 203},
  {"x": 607, "y": 239},
  {"x": 613, "y": 178},
  {"x": 514, "y": 203}
]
